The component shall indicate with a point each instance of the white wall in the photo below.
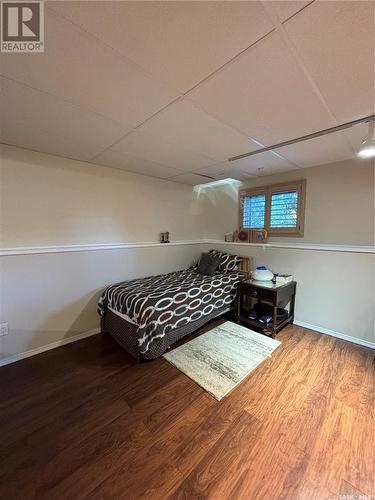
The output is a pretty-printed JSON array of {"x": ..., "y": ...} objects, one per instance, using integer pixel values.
[
  {"x": 47, "y": 200},
  {"x": 49, "y": 297},
  {"x": 51, "y": 201},
  {"x": 339, "y": 203},
  {"x": 335, "y": 289}
]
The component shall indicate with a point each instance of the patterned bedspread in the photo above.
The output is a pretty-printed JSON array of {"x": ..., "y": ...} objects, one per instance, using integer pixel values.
[{"x": 159, "y": 304}]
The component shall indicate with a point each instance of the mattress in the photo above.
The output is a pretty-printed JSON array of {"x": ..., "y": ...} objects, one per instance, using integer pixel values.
[{"x": 158, "y": 306}]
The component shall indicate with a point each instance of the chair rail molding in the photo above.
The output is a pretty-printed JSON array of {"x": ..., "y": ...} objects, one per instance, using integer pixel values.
[
  {"x": 92, "y": 247},
  {"x": 86, "y": 247},
  {"x": 300, "y": 246}
]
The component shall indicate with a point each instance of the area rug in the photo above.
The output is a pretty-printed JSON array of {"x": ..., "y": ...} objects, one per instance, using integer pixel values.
[{"x": 221, "y": 358}]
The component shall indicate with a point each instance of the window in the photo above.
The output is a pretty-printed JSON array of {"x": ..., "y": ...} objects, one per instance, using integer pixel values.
[
  {"x": 279, "y": 209},
  {"x": 254, "y": 211}
]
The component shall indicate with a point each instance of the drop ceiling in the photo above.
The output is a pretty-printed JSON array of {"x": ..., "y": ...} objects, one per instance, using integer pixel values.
[{"x": 173, "y": 89}]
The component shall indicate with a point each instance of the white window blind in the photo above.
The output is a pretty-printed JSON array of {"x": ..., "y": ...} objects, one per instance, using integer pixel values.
[
  {"x": 254, "y": 208},
  {"x": 284, "y": 210},
  {"x": 277, "y": 208}
]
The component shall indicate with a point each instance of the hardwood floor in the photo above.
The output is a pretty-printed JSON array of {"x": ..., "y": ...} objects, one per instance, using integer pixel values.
[{"x": 86, "y": 421}]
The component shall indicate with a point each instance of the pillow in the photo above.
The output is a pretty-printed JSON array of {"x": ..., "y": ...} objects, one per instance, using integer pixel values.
[
  {"x": 208, "y": 263},
  {"x": 228, "y": 262}
]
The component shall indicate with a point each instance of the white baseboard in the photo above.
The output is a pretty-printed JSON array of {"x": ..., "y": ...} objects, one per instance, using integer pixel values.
[
  {"x": 22, "y": 355},
  {"x": 32, "y": 352},
  {"x": 342, "y": 336}
]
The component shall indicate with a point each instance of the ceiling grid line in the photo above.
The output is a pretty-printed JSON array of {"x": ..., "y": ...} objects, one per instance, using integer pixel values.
[
  {"x": 186, "y": 95},
  {"x": 298, "y": 11},
  {"x": 138, "y": 126},
  {"x": 118, "y": 53},
  {"x": 297, "y": 57},
  {"x": 84, "y": 108},
  {"x": 239, "y": 131},
  {"x": 256, "y": 74},
  {"x": 228, "y": 63},
  {"x": 152, "y": 77}
]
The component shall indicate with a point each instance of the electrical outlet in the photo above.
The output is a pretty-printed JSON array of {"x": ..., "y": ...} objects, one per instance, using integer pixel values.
[{"x": 3, "y": 329}]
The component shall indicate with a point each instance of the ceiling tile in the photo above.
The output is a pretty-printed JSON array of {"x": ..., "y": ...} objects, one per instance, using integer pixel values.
[
  {"x": 36, "y": 110},
  {"x": 264, "y": 94},
  {"x": 325, "y": 149},
  {"x": 178, "y": 42},
  {"x": 125, "y": 162},
  {"x": 76, "y": 67},
  {"x": 336, "y": 42},
  {"x": 141, "y": 143},
  {"x": 30, "y": 137},
  {"x": 263, "y": 164},
  {"x": 186, "y": 126},
  {"x": 285, "y": 9},
  {"x": 190, "y": 178},
  {"x": 355, "y": 135}
]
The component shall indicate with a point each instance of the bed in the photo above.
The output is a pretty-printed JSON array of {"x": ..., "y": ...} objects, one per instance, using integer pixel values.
[{"x": 147, "y": 315}]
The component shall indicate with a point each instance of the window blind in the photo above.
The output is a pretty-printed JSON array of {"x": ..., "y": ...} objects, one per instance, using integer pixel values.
[
  {"x": 254, "y": 208},
  {"x": 284, "y": 209}
]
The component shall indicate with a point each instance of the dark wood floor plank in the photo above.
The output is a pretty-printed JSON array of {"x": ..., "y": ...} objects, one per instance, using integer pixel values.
[
  {"x": 87, "y": 421},
  {"x": 55, "y": 466},
  {"x": 42, "y": 445},
  {"x": 95, "y": 356},
  {"x": 208, "y": 429},
  {"x": 219, "y": 468}
]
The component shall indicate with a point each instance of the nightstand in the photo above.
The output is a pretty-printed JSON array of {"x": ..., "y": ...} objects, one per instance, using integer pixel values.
[{"x": 273, "y": 294}]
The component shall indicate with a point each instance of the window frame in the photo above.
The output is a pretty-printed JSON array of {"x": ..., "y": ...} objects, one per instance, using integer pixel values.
[{"x": 268, "y": 191}]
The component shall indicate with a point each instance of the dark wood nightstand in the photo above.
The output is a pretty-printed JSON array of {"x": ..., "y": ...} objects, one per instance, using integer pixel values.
[{"x": 274, "y": 295}]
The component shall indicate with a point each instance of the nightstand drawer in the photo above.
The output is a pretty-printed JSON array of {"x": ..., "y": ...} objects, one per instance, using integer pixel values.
[
  {"x": 263, "y": 294},
  {"x": 257, "y": 292}
]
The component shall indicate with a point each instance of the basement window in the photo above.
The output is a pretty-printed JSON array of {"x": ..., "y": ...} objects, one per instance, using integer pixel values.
[{"x": 280, "y": 209}]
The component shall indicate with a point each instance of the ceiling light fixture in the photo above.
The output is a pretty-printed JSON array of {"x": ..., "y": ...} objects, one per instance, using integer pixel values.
[{"x": 367, "y": 149}]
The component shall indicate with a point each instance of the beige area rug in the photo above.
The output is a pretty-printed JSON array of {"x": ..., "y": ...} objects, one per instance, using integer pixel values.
[{"x": 221, "y": 358}]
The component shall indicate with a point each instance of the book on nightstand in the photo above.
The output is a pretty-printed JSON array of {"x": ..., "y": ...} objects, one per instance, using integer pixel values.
[{"x": 283, "y": 279}]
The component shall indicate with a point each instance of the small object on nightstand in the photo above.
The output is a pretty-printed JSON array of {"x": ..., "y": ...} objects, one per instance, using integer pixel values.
[
  {"x": 262, "y": 273},
  {"x": 284, "y": 278}
]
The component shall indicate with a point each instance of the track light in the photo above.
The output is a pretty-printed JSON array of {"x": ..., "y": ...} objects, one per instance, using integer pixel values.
[{"x": 367, "y": 149}]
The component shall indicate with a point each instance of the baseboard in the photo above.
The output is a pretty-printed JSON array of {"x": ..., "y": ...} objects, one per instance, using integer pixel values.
[
  {"x": 342, "y": 336},
  {"x": 32, "y": 352},
  {"x": 22, "y": 355}
]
